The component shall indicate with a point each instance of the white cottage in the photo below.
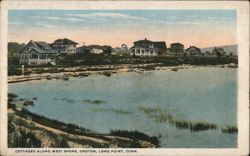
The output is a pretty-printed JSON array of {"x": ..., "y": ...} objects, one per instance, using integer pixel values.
[
  {"x": 64, "y": 46},
  {"x": 96, "y": 51},
  {"x": 37, "y": 53},
  {"x": 148, "y": 48}
]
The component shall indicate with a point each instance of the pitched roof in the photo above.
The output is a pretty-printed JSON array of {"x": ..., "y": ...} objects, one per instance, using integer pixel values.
[
  {"x": 41, "y": 44},
  {"x": 140, "y": 46},
  {"x": 96, "y": 47},
  {"x": 192, "y": 47},
  {"x": 177, "y": 44},
  {"x": 143, "y": 41},
  {"x": 219, "y": 50},
  {"x": 38, "y": 46},
  {"x": 160, "y": 44},
  {"x": 157, "y": 44},
  {"x": 65, "y": 41}
]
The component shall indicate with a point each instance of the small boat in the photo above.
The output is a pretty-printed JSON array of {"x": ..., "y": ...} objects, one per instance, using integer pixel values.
[
  {"x": 232, "y": 65},
  {"x": 107, "y": 74},
  {"x": 65, "y": 77},
  {"x": 138, "y": 71},
  {"x": 175, "y": 69},
  {"x": 49, "y": 77}
]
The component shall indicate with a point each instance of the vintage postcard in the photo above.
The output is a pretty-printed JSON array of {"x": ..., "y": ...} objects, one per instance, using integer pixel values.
[{"x": 124, "y": 78}]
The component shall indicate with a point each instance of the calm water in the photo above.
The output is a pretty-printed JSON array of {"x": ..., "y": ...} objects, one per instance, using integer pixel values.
[{"x": 198, "y": 94}]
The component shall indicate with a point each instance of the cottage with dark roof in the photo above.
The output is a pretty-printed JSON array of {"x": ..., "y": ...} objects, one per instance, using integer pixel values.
[
  {"x": 37, "y": 53},
  {"x": 95, "y": 49},
  {"x": 193, "y": 51},
  {"x": 64, "y": 46},
  {"x": 218, "y": 51},
  {"x": 148, "y": 48}
]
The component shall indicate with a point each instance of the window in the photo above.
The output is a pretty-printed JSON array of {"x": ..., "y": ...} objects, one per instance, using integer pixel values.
[
  {"x": 34, "y": 56},
  {"x": 142, "y": 51},
  {"x": 152, "y": 51},
  {"x": 42, "y": 56}
]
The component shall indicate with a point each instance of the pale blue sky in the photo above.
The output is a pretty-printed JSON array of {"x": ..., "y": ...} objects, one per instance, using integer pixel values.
[{"x": 112, "y": 26}]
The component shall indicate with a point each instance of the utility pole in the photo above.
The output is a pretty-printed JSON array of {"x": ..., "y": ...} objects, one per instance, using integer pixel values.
[{"x": 22, "y": 69}]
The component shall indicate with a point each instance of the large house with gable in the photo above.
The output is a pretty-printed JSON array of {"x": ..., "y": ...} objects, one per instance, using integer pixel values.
[
  {"x": 148, "y": 48},
  {"x": 193, "y": 51},
  {"x": 37, "y": 53},
  {"x": 64, "y": 46}
]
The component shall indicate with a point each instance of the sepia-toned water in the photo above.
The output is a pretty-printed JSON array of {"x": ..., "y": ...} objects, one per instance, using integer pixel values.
[{"x": 104, "y": 103}]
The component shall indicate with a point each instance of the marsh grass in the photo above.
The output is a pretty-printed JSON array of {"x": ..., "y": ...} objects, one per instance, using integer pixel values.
[
  {"x": 136, "y": 135},
  {"x": 229, "y": 129},
  {"x": 83, "y": 74},
  {"x": 117, "y": 111},
  {"x": 162, "y": 117},
  {"x": 94, "y": 102},
  {"x": 65, "y": 99}
]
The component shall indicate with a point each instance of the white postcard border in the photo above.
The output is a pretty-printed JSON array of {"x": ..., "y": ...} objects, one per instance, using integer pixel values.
[{"x": 242, "y": 8}]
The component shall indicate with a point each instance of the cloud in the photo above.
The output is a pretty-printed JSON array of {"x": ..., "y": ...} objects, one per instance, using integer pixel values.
[
  {"x": 46, "y": 25},
  {"x": 189, "y": 23},
  {"x": 105, "y": 15},
  {"x": 58, "y": 18},
  {"x": 166, "y": 22},
  {"x": 180, "y": 22},
  {"x": 15, "y": 23}
]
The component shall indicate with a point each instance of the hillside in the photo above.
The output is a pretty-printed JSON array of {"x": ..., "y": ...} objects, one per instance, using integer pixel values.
[{"x": 227, "y": 48}]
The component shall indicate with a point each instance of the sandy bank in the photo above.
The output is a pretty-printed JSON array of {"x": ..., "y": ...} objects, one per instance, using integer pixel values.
[{"x": 107, "y": 70}]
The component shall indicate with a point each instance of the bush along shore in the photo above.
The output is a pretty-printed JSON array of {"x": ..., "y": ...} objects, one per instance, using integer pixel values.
[
  {"x": 27, "y": 129},
  {"x": 162, "y": 116}
]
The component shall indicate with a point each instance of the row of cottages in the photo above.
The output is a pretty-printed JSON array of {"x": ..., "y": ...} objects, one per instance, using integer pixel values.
[
  {"x": 42, "y": 53},
  {"x": 194, "y": 51},
  {"x": 148, "y": 48}
]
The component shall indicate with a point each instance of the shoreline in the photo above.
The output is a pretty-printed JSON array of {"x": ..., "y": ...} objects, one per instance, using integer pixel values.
[
  {"x": 107, "y": 70},
  {"x": 40, "y": 131}
]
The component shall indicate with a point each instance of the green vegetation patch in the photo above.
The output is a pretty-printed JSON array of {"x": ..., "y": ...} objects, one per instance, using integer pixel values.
[
  {"x": 161, "y": 116},
  {"x": 117, "y": 111},
  {"x": 94, "y": 102},
  {"x": 65, "y": 99},
  {"x": 135, "y": 135},
  {"x": 229, "y": 129}
]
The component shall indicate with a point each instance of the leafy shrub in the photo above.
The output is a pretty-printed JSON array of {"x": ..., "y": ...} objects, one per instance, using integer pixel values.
[{"x": 135, "y": 135}]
